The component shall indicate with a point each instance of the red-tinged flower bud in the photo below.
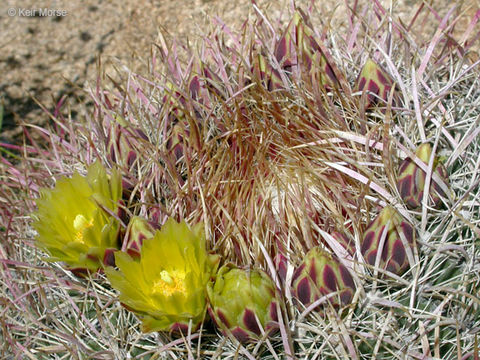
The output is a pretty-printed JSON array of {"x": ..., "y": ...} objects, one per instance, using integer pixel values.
[
  {"x": 393, "y": 255},
  {"x": 310, "y": 54},
  {"x": 411, "y": 180},
  {"x": 138, "y": 230},
  {"x": 281, "y": 265},
  {"x": 376, "y": 81},
  {"x": 120, "y": 146},
  {"x": 263, "y": 71},
  {"x": 285, "y": 47},
  {"x": 242, "y": 301},
  {"x": 109, "y": 257},
  {"x": 213, "y": 82},
  {"x": 321, "y": 274},
  {"x": 176, "y": 141}
]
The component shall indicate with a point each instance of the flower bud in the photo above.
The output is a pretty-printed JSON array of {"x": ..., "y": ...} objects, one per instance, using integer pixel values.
[
  {"x": 393, "y": 256},
  {"x": 177, "y": 140},
  {"x": 242, "y": 302},
  {"x": 138, "y": 229},
  {"x": 376, "y": 81},
  {"x": 321, "y": 274},
  {"x": 347, "y": 242},
  {"x": 309, "y": 53},
  {"x": 122, "y": 142},
  {"x": 411, "y": 179},
  {"x": 264, "y": 71},
  {"x": 281, "y": 265}
]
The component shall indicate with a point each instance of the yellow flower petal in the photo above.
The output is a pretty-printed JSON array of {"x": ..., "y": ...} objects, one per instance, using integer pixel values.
[
  {"x": 71, "y": 223},
  {"x": 166, "y": 287}
]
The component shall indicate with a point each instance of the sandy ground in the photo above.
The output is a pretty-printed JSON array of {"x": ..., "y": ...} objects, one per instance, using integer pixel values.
[{"x": 43, "y": 58}]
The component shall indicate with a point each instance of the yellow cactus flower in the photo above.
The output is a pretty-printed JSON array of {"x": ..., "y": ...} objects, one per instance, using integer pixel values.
[
  {"x": 73, "y": 223},
  {"x": 166, "y": 286}
]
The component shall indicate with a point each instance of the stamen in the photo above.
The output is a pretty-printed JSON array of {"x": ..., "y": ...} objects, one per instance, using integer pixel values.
[
  {"x": 80, "y": 224},
  {"x": 170, "y": 282}
]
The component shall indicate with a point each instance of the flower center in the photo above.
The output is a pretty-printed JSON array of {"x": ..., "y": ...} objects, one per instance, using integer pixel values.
[
  {"x": 170, "y": 282},
  {"x": 80, "y": 224}
]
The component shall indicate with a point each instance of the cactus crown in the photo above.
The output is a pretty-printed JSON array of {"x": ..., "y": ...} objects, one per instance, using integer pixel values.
[{"x": 283, "y": 147}]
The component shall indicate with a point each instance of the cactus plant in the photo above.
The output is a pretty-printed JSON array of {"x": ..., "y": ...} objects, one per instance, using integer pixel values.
[{"x": 269, "y": 157}]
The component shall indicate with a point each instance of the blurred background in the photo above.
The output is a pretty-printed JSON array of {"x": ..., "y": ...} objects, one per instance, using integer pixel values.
[{"x": 44, "y": 59}]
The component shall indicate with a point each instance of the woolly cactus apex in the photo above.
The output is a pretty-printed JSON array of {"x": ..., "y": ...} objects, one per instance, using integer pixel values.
[
  {"x": 138, "y": 230},
  {"x": 411, "y": 179},
  {"x": 393, "y": 256},
  {"x": 376, "y": 81},
  {"x": 241, "y": 302},
  {"x": 321, "y": 274}
]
